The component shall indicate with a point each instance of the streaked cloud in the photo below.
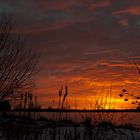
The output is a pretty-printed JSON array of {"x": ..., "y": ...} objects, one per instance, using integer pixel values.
[{"x": 87, "y": 44}]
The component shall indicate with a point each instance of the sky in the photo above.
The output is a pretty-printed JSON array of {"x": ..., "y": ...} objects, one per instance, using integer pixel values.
[{"x": 89, "y": 45}]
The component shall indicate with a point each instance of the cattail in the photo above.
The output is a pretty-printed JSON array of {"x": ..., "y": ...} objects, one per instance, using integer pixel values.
[
  {"x": 65, "y": 95},
  {"x": 66, "y": 90},
  {"x": 60, "y": 91}
]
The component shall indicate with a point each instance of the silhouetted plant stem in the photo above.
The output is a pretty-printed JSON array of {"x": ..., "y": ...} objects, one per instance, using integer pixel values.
[
  {"x": 75, "y": 108},
  {"x": 65, "y": 95}
]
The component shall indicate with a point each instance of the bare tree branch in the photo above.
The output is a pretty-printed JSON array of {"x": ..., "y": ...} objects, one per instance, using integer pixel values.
[{"x": 18, "y": 63}]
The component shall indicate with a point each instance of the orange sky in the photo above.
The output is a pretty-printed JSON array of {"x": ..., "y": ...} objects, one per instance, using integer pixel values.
[
  {"x": 86, "y": 44},
  {"x": 88, "y": 85}
]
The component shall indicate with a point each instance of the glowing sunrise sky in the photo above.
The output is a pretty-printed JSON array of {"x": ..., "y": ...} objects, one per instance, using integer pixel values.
[{"x": 87, "y": 44}]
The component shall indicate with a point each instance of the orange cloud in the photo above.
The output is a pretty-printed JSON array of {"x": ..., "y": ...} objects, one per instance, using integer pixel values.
[
  {"x": 87, "y": 85},
  {"x": 131, "y": 10},
  {"x": 100, "y": 4}
]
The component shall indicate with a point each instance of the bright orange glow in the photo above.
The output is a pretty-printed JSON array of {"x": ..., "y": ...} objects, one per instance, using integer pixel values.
[{"x": 87, "y": 91}]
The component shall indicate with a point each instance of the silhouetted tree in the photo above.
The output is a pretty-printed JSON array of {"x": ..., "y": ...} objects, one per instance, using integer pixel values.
[{"x": 17, "y": 61}]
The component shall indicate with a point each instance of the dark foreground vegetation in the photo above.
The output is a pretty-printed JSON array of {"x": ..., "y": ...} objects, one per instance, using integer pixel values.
[
  {"x": 77, "y": 110},
  {"x": 100, "y": 127}
]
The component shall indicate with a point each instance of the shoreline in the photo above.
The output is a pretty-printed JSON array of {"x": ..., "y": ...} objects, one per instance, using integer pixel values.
[{"x": 71, "y": 110}]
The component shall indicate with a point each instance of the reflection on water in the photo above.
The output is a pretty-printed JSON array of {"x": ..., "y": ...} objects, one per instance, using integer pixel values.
[{"x": 115, "y": 117}]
